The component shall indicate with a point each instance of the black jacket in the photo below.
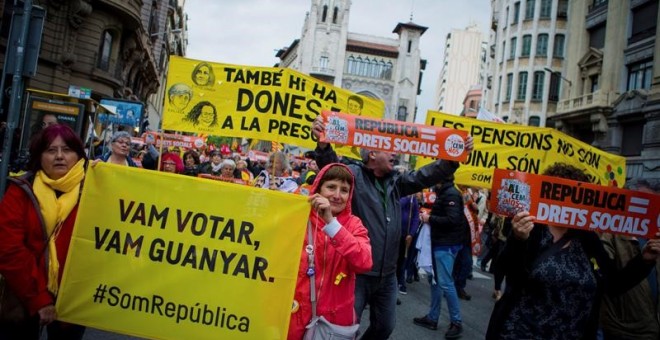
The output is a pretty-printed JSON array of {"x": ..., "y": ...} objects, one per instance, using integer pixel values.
[{"x": 449, "y": 226}]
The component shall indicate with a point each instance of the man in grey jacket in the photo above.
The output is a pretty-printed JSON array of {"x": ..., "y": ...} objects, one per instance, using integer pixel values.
[{"x": 376, "y": 201}]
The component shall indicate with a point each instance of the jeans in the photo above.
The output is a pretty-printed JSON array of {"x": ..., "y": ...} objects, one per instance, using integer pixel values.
[
  {"x": 380, "y": 293},
  {"x": 463, "y": 267},
  {"x": 443, "y": 260}
]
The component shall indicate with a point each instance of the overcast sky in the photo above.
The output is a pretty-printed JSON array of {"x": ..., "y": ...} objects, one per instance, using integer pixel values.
[{"x": 248, "y": 32}]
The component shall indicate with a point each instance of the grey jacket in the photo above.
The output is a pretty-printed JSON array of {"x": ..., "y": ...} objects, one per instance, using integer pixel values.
[{"x": 376, "y": 203}]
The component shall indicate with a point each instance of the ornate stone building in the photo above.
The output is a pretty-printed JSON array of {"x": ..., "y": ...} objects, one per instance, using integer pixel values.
[
  {"x": 613, "y": 73},
  {"x": 389, "y": 69},
  {"x": 527, "y": 46},
  {"x": 117, "y": 48}
]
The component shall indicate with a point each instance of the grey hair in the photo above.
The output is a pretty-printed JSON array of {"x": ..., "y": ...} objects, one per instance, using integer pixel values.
[
  {"x": 120, "y": 134},
  {"x": 364, "y": 155},
  {"x": 282, "y": 156},
  {"x": 229, "y": 162}
]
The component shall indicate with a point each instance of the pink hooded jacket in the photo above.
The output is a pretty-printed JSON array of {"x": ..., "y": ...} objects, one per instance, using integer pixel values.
[{"x": 337, "y": 260}]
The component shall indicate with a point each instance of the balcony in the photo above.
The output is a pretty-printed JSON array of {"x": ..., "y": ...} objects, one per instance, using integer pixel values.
[
  {"x": 494, "y": 21},
  {"x": 127, "y": 11},
  {"x": 596, "y": 15},
  {"x": 323, "y": 71},
  {"x": 591, "y": 100},
  {"x": 637, "y": 37}
]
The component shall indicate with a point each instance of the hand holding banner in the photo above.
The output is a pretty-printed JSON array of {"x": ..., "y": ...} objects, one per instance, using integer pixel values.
[
  {"x": 394, "y": 136},
  {"x": 579, "y": 205},
  {"x": 164, "y": 256}
]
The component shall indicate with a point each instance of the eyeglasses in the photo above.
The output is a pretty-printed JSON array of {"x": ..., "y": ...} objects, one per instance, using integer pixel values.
[{"x": 169, "y": 163}]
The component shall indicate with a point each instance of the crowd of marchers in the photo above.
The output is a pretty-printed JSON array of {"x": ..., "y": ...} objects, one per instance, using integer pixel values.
[{"x": 372, "y": 229}]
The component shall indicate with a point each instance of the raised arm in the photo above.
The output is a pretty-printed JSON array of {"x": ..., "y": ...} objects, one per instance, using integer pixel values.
[{"x": 324, "y": 152}]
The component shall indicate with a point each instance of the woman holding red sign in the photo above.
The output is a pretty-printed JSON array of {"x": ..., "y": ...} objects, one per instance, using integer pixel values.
[
  {"x": 556, "y": 277},
  {"x": 336, "y": 247}
]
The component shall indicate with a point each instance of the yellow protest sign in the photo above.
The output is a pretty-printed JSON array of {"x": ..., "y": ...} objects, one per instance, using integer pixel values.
[
  {"x": 527, "y": 149},
  {"x": 276, "y": 104},
  {"x": 167, "y": 256}
]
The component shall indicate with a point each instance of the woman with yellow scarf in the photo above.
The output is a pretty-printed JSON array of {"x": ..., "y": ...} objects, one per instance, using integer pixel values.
[{"x": 37, "y": 214}]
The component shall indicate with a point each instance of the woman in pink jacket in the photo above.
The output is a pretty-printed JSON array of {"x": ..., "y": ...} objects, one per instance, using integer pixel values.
[{"x": 341, "y": 250}]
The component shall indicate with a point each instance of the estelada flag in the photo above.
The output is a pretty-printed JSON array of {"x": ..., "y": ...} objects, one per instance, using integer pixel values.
[
  {"x": 579, "y": 205},
  {"x": 394, "y": 136}
]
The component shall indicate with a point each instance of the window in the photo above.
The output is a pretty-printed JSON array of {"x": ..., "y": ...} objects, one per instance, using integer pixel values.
[
  {"x": 522, "y": 85},
  {"x": 374, "y": 72},
  {"x": 644, "y": 21},
  {"x": 632, "y": 144},
  {"x": 325, "y": 13},
  {"x": 546, "y": 9},
  {"x": 537, "y": 91},
  {"x": 598, "y": 3},
  {"x": 597, "y": 36},
  {"x": 562, "y": 9},
  {"x": 387, "y": 73},
  {"x": 516, "y": 13},
  {"x": 153, "y": 22},
  {"x": 503, "y": 50},
  {"x": 529, "y": 9},
  {"x": 352, "y": 66},
  {"x": 512, "y": 53},
  {"x": 509, "y": 83},
  {"x": 499, "y": 89},
  {"x": 334, "y": 15},
  {"x": 505, "y": 118},
  {"x": 105, "y": 51},
  {"x": 410, "y": 45},
  {"x": 558, "y": 50},
  {"x": 534, "y": 121},
  {"x": 594, "y": 83},
  {"x": 323, "y": 63},
  {"x": 542, "y": 45},
  {"x": 527, "y": 45},
  {"x": 640, "y": 75},
  {"x": 555, "y": 80}
]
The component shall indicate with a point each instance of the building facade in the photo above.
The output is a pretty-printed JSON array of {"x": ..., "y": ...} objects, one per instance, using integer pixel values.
[
  {"x": 613, "y": 97},
  {"x": 389, "y": 69},
  {"x": 527, "y": 51},
  {"x": 472, "y": 102},
  {"x": 118, "y": 49},
  {"x": 464, "y": 66}
]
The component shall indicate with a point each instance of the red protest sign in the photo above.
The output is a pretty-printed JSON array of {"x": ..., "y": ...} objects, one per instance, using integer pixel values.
[
  {"x": 168, "y": 140},
  {"x": 565, "y": 203},
  {"x": 394, "y": 136}
]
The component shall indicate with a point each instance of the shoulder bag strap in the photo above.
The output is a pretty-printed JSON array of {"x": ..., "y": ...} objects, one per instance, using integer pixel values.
[{"x": 309, "y": 249}]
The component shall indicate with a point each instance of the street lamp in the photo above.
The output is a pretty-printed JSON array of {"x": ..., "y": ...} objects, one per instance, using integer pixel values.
[{"x": 557, "y": 73}]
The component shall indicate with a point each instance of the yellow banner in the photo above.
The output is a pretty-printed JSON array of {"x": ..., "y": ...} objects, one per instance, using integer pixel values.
[
  {"x": 276, "y": 104},
  {"x": 527, "y": 149},
  {"x": 166, "y": 256}
]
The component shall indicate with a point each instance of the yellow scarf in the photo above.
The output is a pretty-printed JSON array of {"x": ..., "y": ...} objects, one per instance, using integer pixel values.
[{"x": 56, "y": 209}]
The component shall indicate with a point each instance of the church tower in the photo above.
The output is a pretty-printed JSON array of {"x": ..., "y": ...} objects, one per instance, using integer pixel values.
[{"x": 323, "y": 40}]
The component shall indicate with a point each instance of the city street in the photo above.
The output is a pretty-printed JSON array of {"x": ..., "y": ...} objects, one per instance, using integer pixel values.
[{"x": 475, "y": 313}]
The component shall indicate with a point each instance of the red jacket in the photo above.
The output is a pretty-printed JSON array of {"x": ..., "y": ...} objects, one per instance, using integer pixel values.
[
  {"x": 23, "y": 246},
  {"x": 347, "y": 253}
]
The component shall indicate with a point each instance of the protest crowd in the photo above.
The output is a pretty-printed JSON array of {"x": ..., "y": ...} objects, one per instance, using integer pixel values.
[
  {"x": 562, "y": 283},
  {"x": 374, "y": 228}
]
